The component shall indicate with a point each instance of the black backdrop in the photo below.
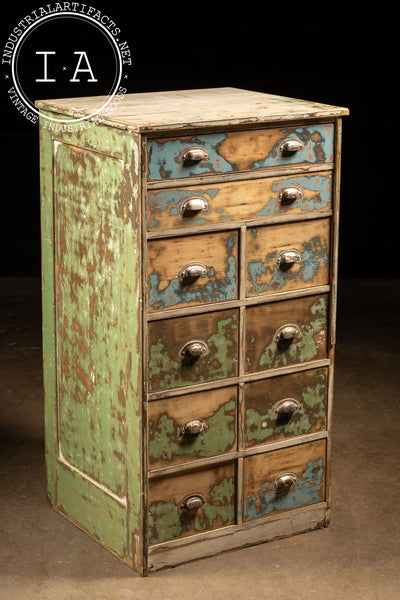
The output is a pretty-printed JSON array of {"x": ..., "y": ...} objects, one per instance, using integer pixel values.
[{"x": 339, "y": 59}]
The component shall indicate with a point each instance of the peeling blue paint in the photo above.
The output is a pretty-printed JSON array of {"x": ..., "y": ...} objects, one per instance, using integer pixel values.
[{"x": 307, "y": 490}]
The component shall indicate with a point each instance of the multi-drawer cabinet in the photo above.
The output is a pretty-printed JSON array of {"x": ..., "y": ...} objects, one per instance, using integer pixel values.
[{"x": 189, "y": 292}]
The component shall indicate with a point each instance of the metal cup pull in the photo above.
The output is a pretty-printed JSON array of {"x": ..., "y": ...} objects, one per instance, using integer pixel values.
[
  {"x": 287, "y": 258},
  {"x": 287, "y": 333},
  {"x": 194, "y": 154},
  {"x": 193, "y": 271},
  {"x": 194, "y": 349},
  {"x": 193, "y": 205},
  {"x": 286, "y": 406},
  {"x": 192, "y": 502},
  {"x": 284, "y": 482},
  {"x": 194, "y": 427},
  {"x": 291, "y": 146},
  {"x": 290, "y": 194}
]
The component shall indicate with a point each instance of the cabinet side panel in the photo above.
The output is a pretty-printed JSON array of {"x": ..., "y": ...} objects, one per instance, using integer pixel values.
[{"x": 48, "y": 310}]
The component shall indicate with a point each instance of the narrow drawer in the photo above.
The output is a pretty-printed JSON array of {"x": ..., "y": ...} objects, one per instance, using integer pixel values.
[
  {"x": 284, "y": 333},
  {"x": 284, "y": 407},
  {"x": 289, "y": 256},
  {"x": 192, "y": 270},
  {"x": 205, "y": 154},
  {"x": 188, "y": 350},
  {"x": 284, "y": 479},
  {"x": 238, "y": 200},
  {"x": 191, "y": 503},
  {"x": 193, "y": 426}
]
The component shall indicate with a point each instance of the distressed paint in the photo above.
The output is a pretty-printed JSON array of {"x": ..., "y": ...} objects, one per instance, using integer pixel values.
[
  {"x": 239, "y": 151},
  {"x": 310, "y": 239},
  {"x": 263, "y": 352},
  {"x": 262, "y": 425},
  {"x": 166, "y": 519},
  {"x": 167, "y": 445},
  {"x": 237, "y": 200},
  {"x": 166, "y": 369},
  {"x": 307, "y": 462},
  {"x": 166, "y": 257}
]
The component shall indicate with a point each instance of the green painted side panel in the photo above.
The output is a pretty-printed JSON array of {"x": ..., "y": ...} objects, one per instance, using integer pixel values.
[
  {"x": 93, "y": 510},
  {"x": 92, "y": 360}
]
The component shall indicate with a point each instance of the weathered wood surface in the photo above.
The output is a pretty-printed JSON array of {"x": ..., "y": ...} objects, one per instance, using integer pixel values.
[
  {"x": 218, "y": 252},
  {"x": 306, "y": 462},
  {"x": 263, "y": 352},
  {"x": 177, "y": 109},
  {"x": 262, "y": 425},
  {"x": 166, "y": 518},
  {"x": 167, "y": 369},
  {"x": 311, "y": 239},
  {"x": 238, "y": 201},
  {"x": 169, "y": 446},
  {"x": 239, "y": 151}
]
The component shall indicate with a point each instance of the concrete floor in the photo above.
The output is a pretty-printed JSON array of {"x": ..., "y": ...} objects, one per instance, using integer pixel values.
[{"x": 357, "y": 557}]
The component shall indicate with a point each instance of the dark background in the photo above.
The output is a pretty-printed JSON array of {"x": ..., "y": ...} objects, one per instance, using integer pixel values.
[{"x": 346, "y": 60}]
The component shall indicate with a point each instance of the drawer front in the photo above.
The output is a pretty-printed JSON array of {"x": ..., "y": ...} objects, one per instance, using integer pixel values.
[
  {"x": 192, "y": 270},
  {"x": 172, "y": 516},
  {"x": 172, "y": 362},
  {"x": 269, "y": 327},
  {"x": 238, "y": 151},
  {"x": 264, "y": 476},
  {"x": 191, "y": 427},
  {"x": 238, "y": 200},
  {"x": 287, "y": 257},
  {"x": 283, "y": 407}
]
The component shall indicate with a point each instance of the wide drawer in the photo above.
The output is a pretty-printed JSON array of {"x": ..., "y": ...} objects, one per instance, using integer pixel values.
[
  {"x": 284, "y": 333},
  {"x": 283, "y": 407},
  {"x": 192, "y": 270},
  {"x": 287, "y": 257},
  {"x": 191, "y": 503},
  {"x": 283, "y": 479},
  {"x": 188, "y": 350},
  {"x": 193, "y": 426},
  {"x": 205, "y": 154},
  {"x": 238, "y": 200}
]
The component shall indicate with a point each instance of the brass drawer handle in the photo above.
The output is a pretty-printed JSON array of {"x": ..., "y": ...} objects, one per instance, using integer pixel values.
[
  {"x": 291, "y": 146},
  {"x": 194, "y": 349},
  {"x": 287, "y": 258},
  {"x": 284, "y": 481},
  {"x": 194, "y": 154},
  {"x": 194, "y": 204},
  {"x": 290, "y": 194},
  {"x": 287, "y": 332},
  {"x": 192, "y": 502},
  {"x": 286, "y": 406},
  {"x": 192, "y": 271},
  {"x": 194, "y": 427}
]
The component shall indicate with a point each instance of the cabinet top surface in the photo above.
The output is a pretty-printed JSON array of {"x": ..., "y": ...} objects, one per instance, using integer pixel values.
[{"x": 182, "y": 109}]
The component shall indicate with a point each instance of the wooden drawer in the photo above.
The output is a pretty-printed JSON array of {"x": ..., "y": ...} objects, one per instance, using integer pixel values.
[
  {"x": 266, "y": 326},
  {"x": 238, "y": 151},
  {"x": 190, "y": 427},
  {"x": 170, "y": 519},
  {"x": 287, "y": 256},
  {"x": 264, "y": 476},
  {"x": 238, "y": 200},
  {"x": 282, "y": 407},
  {"x": 172, "y": 363},
  {"x": 192, "y": 270}
]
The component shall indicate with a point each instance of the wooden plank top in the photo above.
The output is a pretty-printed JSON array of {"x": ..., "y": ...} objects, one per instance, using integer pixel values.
[{"x": 183, "y": 109}]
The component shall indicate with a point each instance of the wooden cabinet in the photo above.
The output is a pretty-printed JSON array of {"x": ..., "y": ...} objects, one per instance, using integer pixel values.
[{"x": 189, "y": 295}]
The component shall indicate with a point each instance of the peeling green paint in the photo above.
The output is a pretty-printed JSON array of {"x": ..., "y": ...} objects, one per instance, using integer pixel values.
[{"x": 166, "y": 441}]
